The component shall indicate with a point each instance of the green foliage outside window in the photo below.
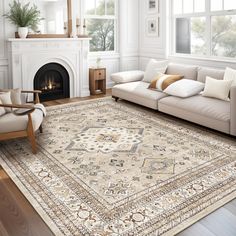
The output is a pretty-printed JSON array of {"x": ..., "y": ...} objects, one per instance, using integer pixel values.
[
  {"x": 101, "y": 30},
  {"x": 223, "y": 30}
]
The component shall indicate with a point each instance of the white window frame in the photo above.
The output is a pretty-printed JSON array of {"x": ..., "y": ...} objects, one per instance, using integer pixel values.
[
  {"x": 207, "y": 14},
  {"x": 106, "y": 17}
]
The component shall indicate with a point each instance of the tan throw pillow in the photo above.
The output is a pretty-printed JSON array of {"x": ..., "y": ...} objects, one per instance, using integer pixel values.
[
  {"x": 2, "y": 110},
  {"x": 6, "y": 99},
  {"x": 162, "y": 81}
]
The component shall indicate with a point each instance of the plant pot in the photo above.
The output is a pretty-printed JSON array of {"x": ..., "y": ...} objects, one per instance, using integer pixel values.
[{"x": 23, "y": 32}]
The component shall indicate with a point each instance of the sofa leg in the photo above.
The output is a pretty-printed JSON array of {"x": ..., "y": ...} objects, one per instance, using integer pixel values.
[
  {"x": 31, "y": 135},
  {"x": 116, "y": 98}
]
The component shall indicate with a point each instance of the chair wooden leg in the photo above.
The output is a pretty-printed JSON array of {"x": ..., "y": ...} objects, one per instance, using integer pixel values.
[
  {"x": 41, "y": 129},
  {"x": 31, "y": 135}
]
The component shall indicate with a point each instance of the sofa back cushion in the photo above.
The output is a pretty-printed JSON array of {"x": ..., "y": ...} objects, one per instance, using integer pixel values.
[
  {"x": 213, "y": 73},
  {"x": 189, "y": 72}
]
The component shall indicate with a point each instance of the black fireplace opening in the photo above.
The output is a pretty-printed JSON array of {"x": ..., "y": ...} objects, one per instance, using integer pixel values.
[{"x": 54, "y": 82}]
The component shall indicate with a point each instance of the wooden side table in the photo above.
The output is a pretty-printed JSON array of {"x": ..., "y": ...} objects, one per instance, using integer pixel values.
[{"x": 97, "y": 80}]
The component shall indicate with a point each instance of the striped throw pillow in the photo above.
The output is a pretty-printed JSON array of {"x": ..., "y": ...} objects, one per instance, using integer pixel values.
[{"x": 162, "y": 81}]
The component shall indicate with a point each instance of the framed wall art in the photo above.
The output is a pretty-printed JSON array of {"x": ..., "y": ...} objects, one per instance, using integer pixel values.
[
  {"x": 152, "y": 27},
  {"x": 152, "y": 6}
]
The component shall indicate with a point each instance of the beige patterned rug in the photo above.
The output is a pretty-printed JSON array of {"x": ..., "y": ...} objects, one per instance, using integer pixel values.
[{"x": 109, "y": 169}]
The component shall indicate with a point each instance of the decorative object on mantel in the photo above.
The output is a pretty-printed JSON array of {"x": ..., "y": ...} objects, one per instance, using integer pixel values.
[
  {"x": 78, "y": 25},
  {"x": 84, "y": 28},
  {"x": 24, "y": 17},
  {"x": 100, "y": 171}
]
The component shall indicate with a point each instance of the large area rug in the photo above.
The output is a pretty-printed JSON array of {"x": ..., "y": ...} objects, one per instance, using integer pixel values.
[{"x": 109, "y": 169}]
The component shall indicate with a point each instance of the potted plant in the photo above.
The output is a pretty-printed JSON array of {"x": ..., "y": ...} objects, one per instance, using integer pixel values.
[{"x": 24, "y": 17}]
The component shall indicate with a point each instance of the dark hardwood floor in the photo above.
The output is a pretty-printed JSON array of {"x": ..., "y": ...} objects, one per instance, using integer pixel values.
[{"x": 18, "y": 217}]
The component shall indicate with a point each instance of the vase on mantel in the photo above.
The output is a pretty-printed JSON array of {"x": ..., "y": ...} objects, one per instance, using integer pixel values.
[{"x": 23, "y": 32}]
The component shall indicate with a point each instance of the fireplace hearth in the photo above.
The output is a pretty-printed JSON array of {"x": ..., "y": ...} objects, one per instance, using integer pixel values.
[{"x": 53, "y": 80}]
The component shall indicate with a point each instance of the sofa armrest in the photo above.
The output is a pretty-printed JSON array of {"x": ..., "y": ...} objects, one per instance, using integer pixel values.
[
  {"x": 233, "y": 111},
  {"x": 127, "y": 76}
]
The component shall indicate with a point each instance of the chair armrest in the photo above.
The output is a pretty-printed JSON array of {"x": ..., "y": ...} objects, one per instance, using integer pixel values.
[
  {"x": 26, "y": 109},
  {"x": 233, "y": 110},
  {"x": 31, "y": 91},
  {"x": 35, "y": 92},
  {"x": 16, "y": 106}
]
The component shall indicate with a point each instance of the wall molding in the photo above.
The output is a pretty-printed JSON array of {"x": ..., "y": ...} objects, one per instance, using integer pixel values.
[{"x": 3, "y": 62}]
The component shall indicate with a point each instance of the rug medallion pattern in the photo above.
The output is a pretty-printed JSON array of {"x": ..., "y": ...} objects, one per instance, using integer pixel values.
[{"x": 109, "y": 169}]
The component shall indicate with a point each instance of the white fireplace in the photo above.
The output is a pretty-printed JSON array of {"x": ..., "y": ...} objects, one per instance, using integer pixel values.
[{"x": 27, "y": 56}]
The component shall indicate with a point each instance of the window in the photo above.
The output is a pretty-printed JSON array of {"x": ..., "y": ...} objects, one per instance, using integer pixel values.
[
  {"x": 101, "y": 24},
  {"x": 205, "y": 27}
]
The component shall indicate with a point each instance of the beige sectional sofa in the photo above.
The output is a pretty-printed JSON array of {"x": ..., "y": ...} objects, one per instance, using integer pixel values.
[{"x": 210, "y": 112}]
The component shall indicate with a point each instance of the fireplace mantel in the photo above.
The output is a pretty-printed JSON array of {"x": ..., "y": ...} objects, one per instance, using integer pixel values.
[{"x": 27, "y": 56}]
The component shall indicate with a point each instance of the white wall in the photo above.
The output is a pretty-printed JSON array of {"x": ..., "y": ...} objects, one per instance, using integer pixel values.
[
  {"x": 149, "y": 46},
  {"x": 126, "y": 57}
]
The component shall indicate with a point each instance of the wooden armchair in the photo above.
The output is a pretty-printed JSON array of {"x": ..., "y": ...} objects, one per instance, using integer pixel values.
[{"x": 23, "y": 122}]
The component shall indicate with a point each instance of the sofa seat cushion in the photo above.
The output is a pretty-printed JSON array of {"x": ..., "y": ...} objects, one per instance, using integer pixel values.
[
  {"x": 206, "y": 111},
  {"x": 139, "y": 93},
  {"x": 12, "y": 123}
]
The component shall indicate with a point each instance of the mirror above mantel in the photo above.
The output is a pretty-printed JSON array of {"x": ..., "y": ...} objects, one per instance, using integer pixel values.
[{"x": 57, "y": 19}]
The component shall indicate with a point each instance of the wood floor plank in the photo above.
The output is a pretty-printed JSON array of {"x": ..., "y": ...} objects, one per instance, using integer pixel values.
[
  {"x": 17, "y": 216},
  {"x": 221, "y": 222},
  {"x": 3, "y": 231},
  {"x": 231, "y": 207},
  {"x": 196, "y": 230}
]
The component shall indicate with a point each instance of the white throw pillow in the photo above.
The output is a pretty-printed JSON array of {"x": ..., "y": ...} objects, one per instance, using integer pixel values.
[
  {"x": 230, "y": 74},
  {"x": 2, "y": 110},
  {"x": 153, "y": 68},
  {"x": 16, "y": 96},
  {"x": 217, "y": 88},
  {"x": 184, "y": 88},
  {"x": 6, "y": 99},
  {"x": 127, "y": 76}
]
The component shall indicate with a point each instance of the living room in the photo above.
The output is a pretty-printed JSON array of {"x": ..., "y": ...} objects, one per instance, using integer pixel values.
[{"x": 117, "y": 117}]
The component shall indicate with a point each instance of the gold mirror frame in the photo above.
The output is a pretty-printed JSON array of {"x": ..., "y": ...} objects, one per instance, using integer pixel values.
[{"x": 69, "y": 13}]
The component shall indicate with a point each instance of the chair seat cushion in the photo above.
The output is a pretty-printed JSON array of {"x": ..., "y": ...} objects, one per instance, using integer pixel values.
[
  {"x": 139, "y": 93},
  {"x": 12, "y": 123}
]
